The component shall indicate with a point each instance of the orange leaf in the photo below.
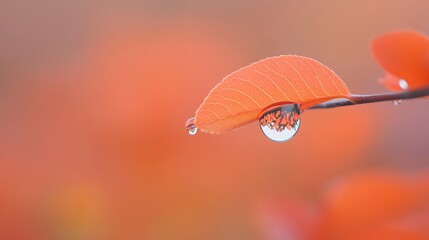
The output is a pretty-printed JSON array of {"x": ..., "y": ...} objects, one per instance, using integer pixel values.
[
  {"x": 405, "y": 57},
  {"x": 366, "y": 203},
  {"x": 244, "y": 94}
]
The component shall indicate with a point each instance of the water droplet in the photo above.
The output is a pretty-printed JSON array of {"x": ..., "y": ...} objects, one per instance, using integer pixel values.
[
  {"x": 281, "y": 123},
  {"x": 397, "y": 102},
  {"x": 190, "y": 126},
  {"x": 403, "y": 84}
]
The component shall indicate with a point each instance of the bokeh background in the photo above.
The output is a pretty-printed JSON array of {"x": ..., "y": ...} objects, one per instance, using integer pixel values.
[{"x": 94, "y": 96}]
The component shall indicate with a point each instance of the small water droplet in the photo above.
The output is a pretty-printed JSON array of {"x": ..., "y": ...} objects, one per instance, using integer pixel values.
[
  {"x": 403, "y": 84},
  {"x": 397, "y": 102},
  {"x": 190, "y": 126},
  {"x": 281, "y": 123}
]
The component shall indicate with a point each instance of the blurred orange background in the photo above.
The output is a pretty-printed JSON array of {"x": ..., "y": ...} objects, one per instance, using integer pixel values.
[{"x": 94, "y": 97}]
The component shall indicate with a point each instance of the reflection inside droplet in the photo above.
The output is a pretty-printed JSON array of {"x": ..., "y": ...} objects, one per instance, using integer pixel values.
[
  {"x": 282, "y": 123},
  {"x": 190, "y": 126},
  {"x": 397, "y": 102}
]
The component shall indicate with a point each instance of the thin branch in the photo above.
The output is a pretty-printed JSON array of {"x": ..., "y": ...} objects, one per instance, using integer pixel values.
[{"x": 372, "y": 98}]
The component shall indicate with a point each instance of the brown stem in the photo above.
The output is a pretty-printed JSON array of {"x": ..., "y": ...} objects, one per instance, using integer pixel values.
[{"x": 371, "y": 98}]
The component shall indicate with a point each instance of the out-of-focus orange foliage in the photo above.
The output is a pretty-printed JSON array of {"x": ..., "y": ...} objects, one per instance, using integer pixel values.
[
  {"x": 76, "y": 212},
  {"x": 113, "y": 119},
  {"x": 404, "y": 55},
  {"x": 287, "y": 219},
  {"x": 371, "y": 200},
  {"x": 368, "y": 205}
]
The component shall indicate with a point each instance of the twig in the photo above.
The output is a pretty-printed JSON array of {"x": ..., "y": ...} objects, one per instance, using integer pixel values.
[{"x": 355, "y": 99}]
